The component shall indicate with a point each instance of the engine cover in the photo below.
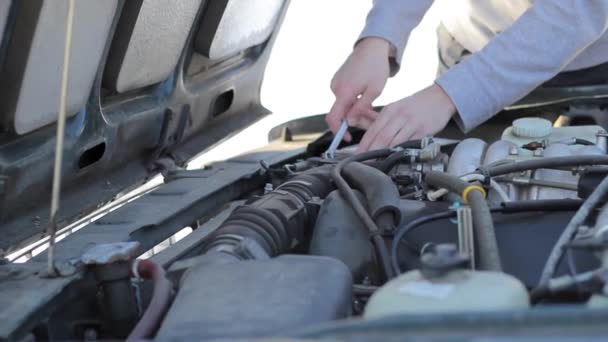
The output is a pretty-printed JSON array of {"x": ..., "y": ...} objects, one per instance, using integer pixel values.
[{"x": 261, "y": 298}]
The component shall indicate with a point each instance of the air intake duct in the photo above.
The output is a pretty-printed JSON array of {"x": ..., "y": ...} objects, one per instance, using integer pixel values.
[{"x": 276, "y": 222}]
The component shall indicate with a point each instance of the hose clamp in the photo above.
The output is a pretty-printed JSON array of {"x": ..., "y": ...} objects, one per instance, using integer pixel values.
[{"x": 468, "y": 189}]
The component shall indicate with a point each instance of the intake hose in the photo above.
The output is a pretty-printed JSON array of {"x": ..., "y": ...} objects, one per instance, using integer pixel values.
[
  {"x": 381, "y": 194},
  {"x": 275, "y": 222},
  {"x": 483, "y": 224},
  {"x": 382, "y": 253}
]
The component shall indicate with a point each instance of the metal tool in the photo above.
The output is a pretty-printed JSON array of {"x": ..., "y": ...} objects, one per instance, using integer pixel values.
[
  {"x": 61, "y": 118},
  {"x": 466, "y": 238},
  {"x": 331, "y": 151}
]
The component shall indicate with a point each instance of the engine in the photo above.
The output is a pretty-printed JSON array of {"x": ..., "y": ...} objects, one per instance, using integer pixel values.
[{"x": 429, "y": 227}]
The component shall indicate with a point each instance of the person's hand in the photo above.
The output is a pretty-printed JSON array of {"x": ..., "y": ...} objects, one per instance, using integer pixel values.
[
  {"x": 414, "y": 117},
  {"x": 358, "y": 83}
]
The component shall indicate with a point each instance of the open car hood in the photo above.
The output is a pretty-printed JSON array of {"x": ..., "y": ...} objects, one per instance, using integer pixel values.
[{"x": 151, "y": 84}]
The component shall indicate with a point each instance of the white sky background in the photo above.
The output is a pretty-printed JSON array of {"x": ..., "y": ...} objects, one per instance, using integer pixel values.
[{"x": 316, "y": 37}]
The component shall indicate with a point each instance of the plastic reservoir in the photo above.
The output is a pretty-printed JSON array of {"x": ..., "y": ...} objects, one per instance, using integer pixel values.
[
  {"x": 526, "y": 130},
  {"x": 456, "y": 291}
]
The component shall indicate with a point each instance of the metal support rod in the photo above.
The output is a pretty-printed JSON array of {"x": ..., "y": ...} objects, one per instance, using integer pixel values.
[{"x": 61, "y": 115}]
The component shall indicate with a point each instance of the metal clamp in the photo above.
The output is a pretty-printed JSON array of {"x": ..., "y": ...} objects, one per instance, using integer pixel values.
[{"x": 466, "y": 238}]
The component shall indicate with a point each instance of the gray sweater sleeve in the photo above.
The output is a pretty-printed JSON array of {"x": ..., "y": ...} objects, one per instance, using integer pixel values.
[
  {"x": 393, "y": 20},
  {"x": 535, "y": 48}
]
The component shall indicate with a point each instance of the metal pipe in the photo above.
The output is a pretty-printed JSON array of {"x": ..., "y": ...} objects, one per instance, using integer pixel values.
[
  {"x": 61, "y": 115},
  {"x": 546, "y": 163},
  {"x": 539, "y": 182}
]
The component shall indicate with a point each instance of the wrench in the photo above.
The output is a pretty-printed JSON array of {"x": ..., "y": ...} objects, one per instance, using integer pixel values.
[{"x": 331, "y": 151}]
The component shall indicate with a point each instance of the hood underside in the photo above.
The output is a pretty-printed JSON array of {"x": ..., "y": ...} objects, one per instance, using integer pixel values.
[{"x": 151, "y": 84}]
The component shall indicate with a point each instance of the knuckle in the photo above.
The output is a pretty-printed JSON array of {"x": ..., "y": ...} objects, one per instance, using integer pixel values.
[
  {"x": 374, "y": 91},
  {"x": 383, "y": 139},
  {"x": 334, "y": 85},
  {"x": 345, "y": 89}
]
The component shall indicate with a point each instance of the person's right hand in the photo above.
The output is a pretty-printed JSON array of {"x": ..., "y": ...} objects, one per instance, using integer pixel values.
[{"x": 358, "y": 82}]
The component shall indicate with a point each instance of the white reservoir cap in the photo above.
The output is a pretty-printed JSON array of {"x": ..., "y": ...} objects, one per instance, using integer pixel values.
[{"x": 532, "y": 127}]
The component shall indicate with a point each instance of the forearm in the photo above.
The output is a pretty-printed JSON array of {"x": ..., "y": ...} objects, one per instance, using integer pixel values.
[
  {"x": 393, "y": 20},
  {"x": 533, "y": 50}
]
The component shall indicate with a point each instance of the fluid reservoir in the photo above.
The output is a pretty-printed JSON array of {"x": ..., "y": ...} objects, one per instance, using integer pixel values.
[
  {"x": 532, "y": 129},
  {"x": 447, "y": 289}
]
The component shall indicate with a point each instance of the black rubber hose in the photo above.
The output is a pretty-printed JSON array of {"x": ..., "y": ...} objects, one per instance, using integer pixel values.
[
  {"x": 546, "y": 163},
  {"x": 577, "y": 220},
  {"x": 541, "y": 205},
  {"x": 538, "y": 294},
  {"x": 381, "y": 194},
  {"x": 483, "y": 225},
  {"x": 387, "y": 164},
  {"x": 584, "y": 142},
  {"x": 348, "y": 194},
  {"x": 410, "y": 144},
  {"x": 505, "y": 208}
]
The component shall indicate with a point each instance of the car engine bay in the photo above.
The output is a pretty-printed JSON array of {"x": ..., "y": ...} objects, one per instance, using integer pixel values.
[
  {"x": 430, "y": 227},
  {"x": 111, "y": 231}
]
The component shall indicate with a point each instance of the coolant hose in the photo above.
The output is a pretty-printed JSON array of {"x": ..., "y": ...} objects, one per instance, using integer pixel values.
[
  {"x": 349, "y": 195},
  {"x": 381, "y": 194},
  {"x": 161, "y": 299},
  {"x": 483, "y": 224},
  {"x": 545, "y": 163}
]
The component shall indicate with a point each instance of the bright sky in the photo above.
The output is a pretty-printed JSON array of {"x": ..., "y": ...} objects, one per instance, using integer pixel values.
[{"x": 316, "y": 37}]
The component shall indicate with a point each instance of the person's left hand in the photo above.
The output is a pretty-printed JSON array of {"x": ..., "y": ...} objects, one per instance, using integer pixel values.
[{"x": 414, "y": 117}]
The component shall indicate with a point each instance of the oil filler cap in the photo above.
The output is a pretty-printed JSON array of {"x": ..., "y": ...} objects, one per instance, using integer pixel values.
[{"x": 532, "y": 127}]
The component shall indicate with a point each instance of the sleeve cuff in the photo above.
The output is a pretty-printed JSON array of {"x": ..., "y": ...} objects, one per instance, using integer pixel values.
[
  {"x": 397, "y": 43},
  {"x": 472, "y": 103},
  {"x": 394, "y": 58}
]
